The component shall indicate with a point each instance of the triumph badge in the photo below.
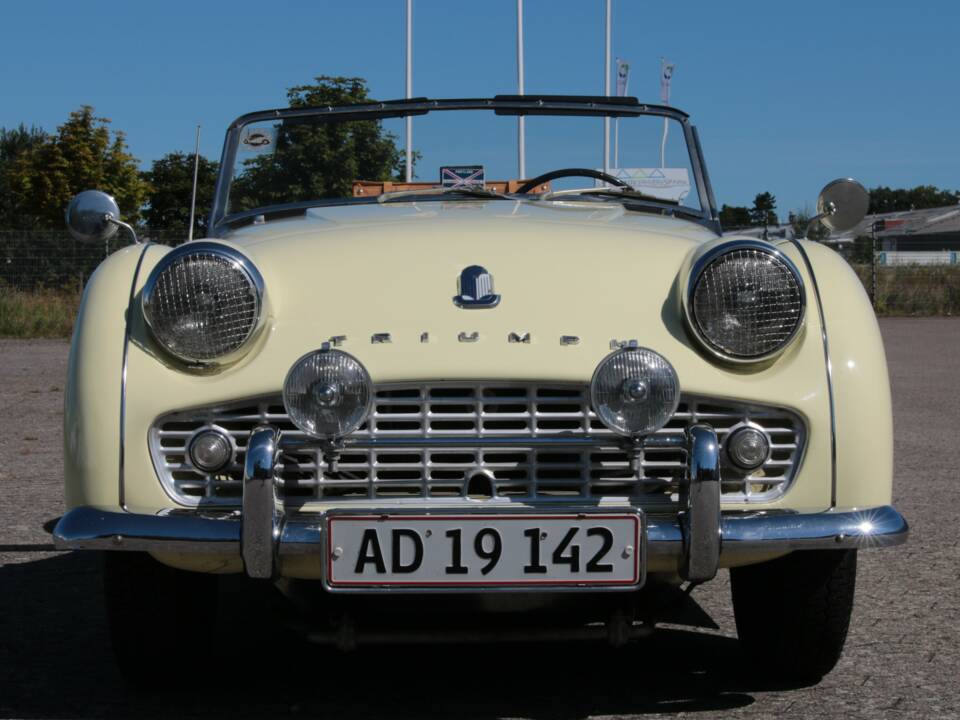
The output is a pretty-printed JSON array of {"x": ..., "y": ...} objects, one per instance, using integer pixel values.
[{"x": 476, "y": 289}]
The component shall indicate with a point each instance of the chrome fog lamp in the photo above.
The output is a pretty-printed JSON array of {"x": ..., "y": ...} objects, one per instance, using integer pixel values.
[
  {"x": 210, "y": 450},
  {"x": 203, "y": 302},
  {"x": 327, "y": 394},
  {"x": 744, "y": 301},
  {"x": 748, "y": 447},
  {"x": 635, "y": 391}
]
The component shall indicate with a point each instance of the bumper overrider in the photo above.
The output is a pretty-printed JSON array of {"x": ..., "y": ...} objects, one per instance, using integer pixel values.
[{"x": 263, "y": 532}]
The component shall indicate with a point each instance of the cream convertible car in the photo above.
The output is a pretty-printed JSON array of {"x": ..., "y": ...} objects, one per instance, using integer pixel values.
[{"x": 548, "y": 400}]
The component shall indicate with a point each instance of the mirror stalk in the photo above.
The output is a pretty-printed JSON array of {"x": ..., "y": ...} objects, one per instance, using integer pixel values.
[{"x": 120, "y": 224}]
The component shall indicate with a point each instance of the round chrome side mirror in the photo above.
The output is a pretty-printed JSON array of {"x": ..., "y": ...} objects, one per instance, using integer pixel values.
[
  {"x": 93, "y": 216},
  {"x": 842, "y": 204}
]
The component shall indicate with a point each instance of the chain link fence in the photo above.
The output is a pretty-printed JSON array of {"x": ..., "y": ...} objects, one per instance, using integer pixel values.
[{"x": 32, "y": 260}]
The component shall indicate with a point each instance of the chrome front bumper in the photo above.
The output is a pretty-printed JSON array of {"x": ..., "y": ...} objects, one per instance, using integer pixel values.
[{"x": 262, "y": 532}]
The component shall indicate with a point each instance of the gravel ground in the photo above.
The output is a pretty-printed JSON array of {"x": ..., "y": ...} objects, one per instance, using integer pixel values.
[{"x": 902, "y": 657}]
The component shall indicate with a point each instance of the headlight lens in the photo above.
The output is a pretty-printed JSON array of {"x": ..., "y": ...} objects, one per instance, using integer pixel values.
[
  {"x": 327, "y": 393},
  {"x": 746, "y": 301},
  {"x": 203, "y": 302},
  {"x": 635, "y": 391}
]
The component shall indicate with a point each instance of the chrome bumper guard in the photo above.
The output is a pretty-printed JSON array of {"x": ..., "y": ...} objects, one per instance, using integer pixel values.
[{"x": 262, "y": 532}]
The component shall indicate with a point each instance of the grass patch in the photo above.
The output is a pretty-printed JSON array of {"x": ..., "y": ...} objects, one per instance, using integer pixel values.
[
  {"x": 914, "y": 289},
  {"x": 40, "y": 313}
]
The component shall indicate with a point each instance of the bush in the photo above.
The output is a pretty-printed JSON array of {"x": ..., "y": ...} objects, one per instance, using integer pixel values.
[
  {"x": 38, "y": 313},
  {"x": 914, "y": 289}
]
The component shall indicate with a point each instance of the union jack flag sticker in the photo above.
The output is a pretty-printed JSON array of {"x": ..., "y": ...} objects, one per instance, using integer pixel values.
[{"x": 455, "y": 176}]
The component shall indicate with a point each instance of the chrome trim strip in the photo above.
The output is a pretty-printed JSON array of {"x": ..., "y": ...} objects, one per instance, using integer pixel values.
[
  {"x": 650, "y": 441},
  {"x": 123, "y": 374},
  {"x": 94, "y": 528},
  {"x": 829, "y": 368}
]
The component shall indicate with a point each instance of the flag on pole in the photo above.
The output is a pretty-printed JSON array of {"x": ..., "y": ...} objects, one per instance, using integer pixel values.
[
  {"x": 623, "y": 77},
  {"x": 666, "y": 75}
]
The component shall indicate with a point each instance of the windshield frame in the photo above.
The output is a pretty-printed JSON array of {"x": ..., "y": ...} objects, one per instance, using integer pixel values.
[{"x": 519, "y": 105}]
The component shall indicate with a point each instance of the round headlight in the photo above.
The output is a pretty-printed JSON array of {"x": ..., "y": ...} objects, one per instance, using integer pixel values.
[
  {"x": 745, "y": 301},
  {"x": 203, "y": 302},
  {"x": 635, "y": 391},
  {"x": 327, "y": 393}
]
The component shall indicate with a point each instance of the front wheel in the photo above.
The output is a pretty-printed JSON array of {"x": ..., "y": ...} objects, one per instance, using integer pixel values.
[
  {"x": 158, "y": 616},
  {"x": 792, "y": 613}
]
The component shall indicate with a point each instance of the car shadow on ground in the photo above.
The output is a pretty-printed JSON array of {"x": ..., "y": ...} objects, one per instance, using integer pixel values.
[{"x": 55, "y": 661}]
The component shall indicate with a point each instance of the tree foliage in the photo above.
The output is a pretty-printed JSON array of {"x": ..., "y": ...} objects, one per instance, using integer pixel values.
[
  {"x": 171, "y": 187},
  {"x": 734, "y": 217},
  {"x": 312, "y": 160},
  {"x": 13, "y": 144},
  {"x": 763, "y": 212},
  {"x": 885, "y": 200},
  {"x": 83, "y": 154}
]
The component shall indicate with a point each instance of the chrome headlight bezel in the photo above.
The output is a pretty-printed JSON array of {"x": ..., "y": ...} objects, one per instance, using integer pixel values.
[
  {"x": 239, "y": 261},
  {"x": 701, "y": 263}
]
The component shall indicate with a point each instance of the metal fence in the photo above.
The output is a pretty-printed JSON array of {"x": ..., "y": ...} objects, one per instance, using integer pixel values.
[{"x": 34, "y": 260}]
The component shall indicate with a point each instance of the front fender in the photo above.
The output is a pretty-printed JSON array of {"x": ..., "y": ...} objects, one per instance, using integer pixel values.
[
  {"x": 91, "y": 417},
  {"x": 861, "y": 388}
]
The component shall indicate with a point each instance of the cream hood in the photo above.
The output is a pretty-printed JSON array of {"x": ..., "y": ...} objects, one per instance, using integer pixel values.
[{"x": 560, "y": 269}]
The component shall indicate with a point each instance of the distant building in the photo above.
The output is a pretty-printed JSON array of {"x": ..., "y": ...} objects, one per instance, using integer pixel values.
[{"x": 921, "y": 237}]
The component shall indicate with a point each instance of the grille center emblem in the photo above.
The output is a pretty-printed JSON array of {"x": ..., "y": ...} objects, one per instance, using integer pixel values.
[{"x": 476, "y": 289}]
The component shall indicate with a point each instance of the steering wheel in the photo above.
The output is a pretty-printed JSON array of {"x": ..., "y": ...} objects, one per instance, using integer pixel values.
[{"x": 570, "y": 172}]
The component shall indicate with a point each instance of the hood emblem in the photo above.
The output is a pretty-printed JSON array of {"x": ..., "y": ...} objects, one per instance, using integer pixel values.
[{"x": 476, "y": 289}]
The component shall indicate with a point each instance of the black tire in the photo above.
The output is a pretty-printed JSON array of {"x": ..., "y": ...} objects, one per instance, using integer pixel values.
[
  {"x": 793, "y": 613},
  {"x": 157, "y": 616}
]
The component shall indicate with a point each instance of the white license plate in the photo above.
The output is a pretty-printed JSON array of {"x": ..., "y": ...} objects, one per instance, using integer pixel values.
[{"x": 490, "y": 550}]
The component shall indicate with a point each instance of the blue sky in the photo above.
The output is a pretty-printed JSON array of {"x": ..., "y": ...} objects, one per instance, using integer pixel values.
[{"x": 786, "y": 95}]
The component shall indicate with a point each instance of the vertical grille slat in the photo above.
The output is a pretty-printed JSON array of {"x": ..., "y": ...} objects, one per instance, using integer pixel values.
[{"x": 441, "y": 474}]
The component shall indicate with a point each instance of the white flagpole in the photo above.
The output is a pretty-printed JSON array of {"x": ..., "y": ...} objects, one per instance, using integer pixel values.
[
  {"x": 409, "y": 73},
  {"x": 621, "y": 92},
  {"x": 193, "y": 194},
  {"x": 606, "y": 91},
  {"x": 665, "y": 78},
  {"x": 521, "y": 145}
]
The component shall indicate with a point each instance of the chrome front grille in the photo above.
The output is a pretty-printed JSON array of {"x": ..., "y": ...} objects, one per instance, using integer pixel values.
[{"x": 454, "y": 471}]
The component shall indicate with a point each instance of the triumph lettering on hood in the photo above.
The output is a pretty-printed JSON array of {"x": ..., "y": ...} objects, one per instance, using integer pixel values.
[{"x": 465, "y": 336}]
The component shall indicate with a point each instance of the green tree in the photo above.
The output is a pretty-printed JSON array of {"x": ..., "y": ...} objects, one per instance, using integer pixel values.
[
  {"x": 734, "y": 216},
  {"x": 885, "y": 200},
  {"x": 83, "y": 154},
  {"x": 171, "y": 186},
  {"x": 313, "y": 160},
  {"x": 763, "y": 211},
  {"x": 14, "y": 143},
  {"x": 800, "y": 219}
]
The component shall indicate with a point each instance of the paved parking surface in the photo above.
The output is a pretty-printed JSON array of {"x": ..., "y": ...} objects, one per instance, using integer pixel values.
[{"x": 902, "y": 657}]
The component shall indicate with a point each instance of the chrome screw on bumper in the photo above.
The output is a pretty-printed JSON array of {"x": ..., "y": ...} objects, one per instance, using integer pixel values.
[
  {"x": 260, "y": 522},
  {"x": 700, "y": 521}
]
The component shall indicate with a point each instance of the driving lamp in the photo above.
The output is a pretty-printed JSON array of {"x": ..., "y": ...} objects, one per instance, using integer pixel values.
[
  {"x": 210, "y": 451},
  {"x": 327, "y": 394},
  {"x": 635, "y": 391}
]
